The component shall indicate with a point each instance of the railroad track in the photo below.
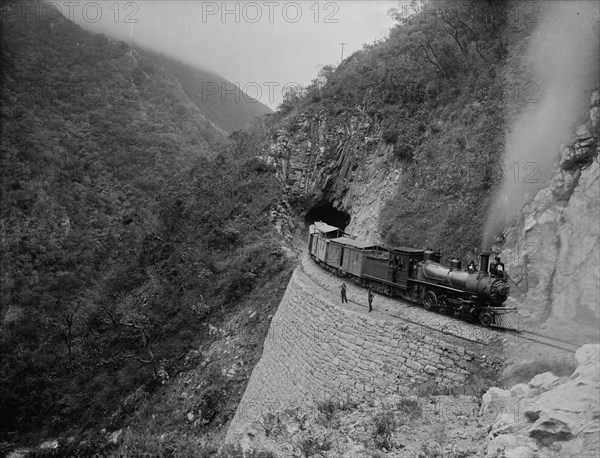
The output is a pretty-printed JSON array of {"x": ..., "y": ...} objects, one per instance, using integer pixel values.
[
  {"x": 548, "y": 341},
  {"x": 519, "y": 334}
]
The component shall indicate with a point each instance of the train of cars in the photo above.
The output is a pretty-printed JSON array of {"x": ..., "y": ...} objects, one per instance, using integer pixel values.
[{"x": 415, "y": 275}]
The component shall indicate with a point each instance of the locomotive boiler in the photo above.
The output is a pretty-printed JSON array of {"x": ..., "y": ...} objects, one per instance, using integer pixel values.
[{"x": 476, "y": 293}]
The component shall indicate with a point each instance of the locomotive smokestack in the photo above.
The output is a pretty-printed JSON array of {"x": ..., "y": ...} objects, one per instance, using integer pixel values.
[{"x": 484, "y": 261}]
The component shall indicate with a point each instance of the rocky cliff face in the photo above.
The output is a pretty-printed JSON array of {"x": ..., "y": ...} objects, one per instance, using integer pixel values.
[
  {"x": 342, "y": 163},
  {"x": 553, "y": 251}
]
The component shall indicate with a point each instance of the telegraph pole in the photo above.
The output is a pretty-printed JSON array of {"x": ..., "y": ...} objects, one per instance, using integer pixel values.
[{"x": 342, "y": 45}]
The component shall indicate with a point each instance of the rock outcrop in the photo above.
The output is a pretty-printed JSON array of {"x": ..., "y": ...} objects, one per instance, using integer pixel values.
[
  {"x": 550, "y": 416},
  {"x": 344, "y": 163},
  {"x": 553, "y": 253}
]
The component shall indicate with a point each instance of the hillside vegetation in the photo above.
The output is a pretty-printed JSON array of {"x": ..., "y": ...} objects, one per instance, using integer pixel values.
[
  {"x": 221, "y": 101},
  {"x": 435, "y": 90},
  {"x": 127, "y": 225}
]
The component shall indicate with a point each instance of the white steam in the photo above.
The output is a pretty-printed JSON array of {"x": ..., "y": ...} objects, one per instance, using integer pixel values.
[{"x": 563, "y": 61}]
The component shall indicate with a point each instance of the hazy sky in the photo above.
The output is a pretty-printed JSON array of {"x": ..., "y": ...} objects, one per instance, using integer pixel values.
[{"x": 260, "y": 45}]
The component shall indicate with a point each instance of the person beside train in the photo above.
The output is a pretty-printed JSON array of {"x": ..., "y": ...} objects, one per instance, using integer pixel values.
[
  {"x": 343, "y": 293},
  {"x": 370, "y": 298}
]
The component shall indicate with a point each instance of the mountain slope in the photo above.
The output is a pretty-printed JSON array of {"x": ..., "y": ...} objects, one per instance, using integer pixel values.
[
  {"x": 221, "y": 101},
  {"x": 130, "y": 230},
  {"x": 91, "y": 133}
]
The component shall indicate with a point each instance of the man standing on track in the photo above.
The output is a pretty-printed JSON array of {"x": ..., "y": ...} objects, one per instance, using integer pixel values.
[
  {"x": 343, "y": 291},
  {"x": 370, "y": 298}
]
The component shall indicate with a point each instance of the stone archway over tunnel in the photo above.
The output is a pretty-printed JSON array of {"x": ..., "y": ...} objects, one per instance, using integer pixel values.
[{"x": 326, "y": 212}]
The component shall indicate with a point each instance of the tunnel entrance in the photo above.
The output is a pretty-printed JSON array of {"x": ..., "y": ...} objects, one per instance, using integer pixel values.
[{"x": 325, "y": 212}]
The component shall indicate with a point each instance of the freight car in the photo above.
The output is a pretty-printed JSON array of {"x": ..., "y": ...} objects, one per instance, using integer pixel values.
[{"x": 415, "y": 275}]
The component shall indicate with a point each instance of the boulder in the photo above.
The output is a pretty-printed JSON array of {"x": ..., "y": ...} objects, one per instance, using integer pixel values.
[
  {"x": 572, "y": 407},
  {"x": 507, "y": 423},
  {"x": 531, "y": 413},
  {"x": 588, "y": 364},
  {"x": 494, "y": 401},
  {"x": 553, "y": 426},
  {"x": 509, "y": 445},
  {"x": 543, "y": 382},
  {"x": 502, "y": 443},
  {"x": 522, "y": 390}
]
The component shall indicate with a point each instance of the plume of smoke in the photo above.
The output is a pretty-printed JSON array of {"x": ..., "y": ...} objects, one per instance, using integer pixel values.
[{"x": 563, "y": 61}]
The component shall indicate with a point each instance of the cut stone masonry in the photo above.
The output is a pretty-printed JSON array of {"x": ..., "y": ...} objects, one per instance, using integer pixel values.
[{"x": 317, "y": 350}]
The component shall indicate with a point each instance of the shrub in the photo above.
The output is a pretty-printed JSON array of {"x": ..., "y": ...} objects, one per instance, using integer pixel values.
[
  {"x": 429, "y": 388},
  {"x": 410, "y": 407},
  {"x": 435, "y": 447},
  {"x": 328, "y": 409},
  {"x": 211, "y": 403},
  {"x": 390, "y": 135},
  {"x": 384, "y": 423},
  {"x": 480, "y": 381},
  {"x": 403, "y": 151},
  {"x": 167, "y": 445},
  {"x": 200, "y": 310},
  {"x": 310, "y": 446}
]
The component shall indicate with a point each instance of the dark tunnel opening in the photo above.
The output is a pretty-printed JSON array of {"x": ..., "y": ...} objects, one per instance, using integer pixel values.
[{"x": 325, "y": 212}]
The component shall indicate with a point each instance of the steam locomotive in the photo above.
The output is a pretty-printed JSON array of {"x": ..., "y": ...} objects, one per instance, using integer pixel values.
[{"x": 415, "y": 275}]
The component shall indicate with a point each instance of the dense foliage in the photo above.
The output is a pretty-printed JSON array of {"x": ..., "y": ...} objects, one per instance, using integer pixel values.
[
  {"x": 435, "y": 90},
  {"x": 121, "y": 209}
]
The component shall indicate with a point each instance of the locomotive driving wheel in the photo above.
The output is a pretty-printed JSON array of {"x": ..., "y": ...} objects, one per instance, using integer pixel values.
[
  {"x": 486, "y": 319},
  {"x": 430, "y": 300}
]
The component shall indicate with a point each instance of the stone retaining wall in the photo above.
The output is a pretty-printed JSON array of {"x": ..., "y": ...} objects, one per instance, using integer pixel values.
[{"x": 317, "y": 350}]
